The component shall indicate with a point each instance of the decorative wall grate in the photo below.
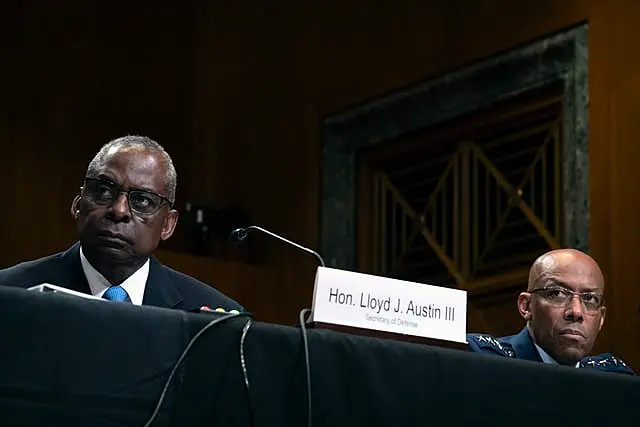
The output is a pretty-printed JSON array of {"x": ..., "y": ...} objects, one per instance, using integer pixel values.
[
  {"x": 560, "y": 59},
  {"x": 487, "y": 207}
]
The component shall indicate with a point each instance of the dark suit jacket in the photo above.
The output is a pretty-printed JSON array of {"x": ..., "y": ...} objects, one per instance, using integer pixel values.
[{"x": 164, "y": 288}]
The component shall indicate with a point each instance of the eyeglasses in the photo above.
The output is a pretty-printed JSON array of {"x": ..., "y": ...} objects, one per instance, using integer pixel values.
[
  {"x": 143, "y": 202},
  {"x": 560, "y": 297}
]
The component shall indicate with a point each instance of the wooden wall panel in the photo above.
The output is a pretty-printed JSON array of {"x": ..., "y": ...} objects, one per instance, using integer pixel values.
[
  {"x": 237, "y": 94},
  {"x": 600, "y": 116},
  {"x": 624, "y": 195},
  {"x": 73, "y": 77}
]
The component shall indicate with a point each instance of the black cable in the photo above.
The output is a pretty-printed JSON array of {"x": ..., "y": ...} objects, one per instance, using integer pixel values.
[
  {"x": 184, "y": 354},
  {"x": 242, "y": 359},
  {"x": 303, "y": 330},
  {"x": 245, "y": 330}
]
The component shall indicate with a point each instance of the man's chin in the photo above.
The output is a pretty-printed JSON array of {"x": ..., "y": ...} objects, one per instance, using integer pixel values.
[
  {"x": 569, "y": 356},
  {"x": 113, "y": 254}
]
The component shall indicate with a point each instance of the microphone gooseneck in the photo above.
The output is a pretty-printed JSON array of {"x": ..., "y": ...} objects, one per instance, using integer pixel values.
[{"x": 238, "y": 235}]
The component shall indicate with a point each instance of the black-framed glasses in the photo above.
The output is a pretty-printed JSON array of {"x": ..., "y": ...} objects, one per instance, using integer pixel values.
[
  {"x": 560, "y": 297},
  {"x": 103, "y": 192}
]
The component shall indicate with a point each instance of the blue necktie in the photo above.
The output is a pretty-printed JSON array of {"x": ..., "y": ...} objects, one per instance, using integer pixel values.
[{"x": 116, "y": 293}]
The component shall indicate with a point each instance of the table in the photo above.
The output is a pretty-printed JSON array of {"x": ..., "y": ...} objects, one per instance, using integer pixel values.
[{"x": 69, "y": 361}]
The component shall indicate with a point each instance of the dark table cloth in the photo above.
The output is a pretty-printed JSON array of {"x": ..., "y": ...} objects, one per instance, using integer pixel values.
[{"x": 66, "y": 361}]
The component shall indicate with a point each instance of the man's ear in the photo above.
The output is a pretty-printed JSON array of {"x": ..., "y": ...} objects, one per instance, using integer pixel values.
[
  {"x": 75, "y": 211},
  {"x": 169, "y": 224},
  {"x": 604, "y": 311},
  {"x": 524, "y": 305}
]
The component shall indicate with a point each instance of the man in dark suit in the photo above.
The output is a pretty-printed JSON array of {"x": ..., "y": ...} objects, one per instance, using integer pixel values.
[
  {"x": 123, "y": 209},
  {"x": 564, "y": 311}
]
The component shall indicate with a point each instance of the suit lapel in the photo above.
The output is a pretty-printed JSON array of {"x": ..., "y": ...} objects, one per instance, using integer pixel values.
[
  {"x": 524, "y": 347},
  {"x": 159, "y": 290},
  {"x": 71, "y": 275}
]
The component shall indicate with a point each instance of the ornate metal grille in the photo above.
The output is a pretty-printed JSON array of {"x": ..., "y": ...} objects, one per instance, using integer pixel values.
[{"x": 477, "y": 213}]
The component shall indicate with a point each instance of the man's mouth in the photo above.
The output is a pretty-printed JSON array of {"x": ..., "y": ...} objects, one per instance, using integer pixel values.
[
  {"x": 110, "y": 235},
  {"x": 572, "y": 333}
]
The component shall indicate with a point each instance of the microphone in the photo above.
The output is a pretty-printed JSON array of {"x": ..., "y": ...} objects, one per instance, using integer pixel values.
[{"x": 238, "y": 235}]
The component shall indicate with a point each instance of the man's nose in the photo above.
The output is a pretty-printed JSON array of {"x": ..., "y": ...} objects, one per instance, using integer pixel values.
[
  {"x": 120, "y": 207},
  {"x": 575, "y": 309}
]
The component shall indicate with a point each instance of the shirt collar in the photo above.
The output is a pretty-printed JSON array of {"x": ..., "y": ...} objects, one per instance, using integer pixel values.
[
  {"x": 134, "y": 284},
  {"x": 545, "y": 357}
]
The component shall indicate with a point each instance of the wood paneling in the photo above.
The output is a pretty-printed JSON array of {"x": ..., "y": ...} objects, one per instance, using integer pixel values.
[
  {"x": 237, "y": 95},
  {"x": 624, "y": 197}
]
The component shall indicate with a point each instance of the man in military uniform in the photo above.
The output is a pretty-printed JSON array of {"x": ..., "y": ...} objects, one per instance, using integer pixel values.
[{"x": 564, "y": 310}]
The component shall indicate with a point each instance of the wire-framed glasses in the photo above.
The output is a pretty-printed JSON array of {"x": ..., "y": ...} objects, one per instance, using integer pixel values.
[{"x": 560, "y": 297}]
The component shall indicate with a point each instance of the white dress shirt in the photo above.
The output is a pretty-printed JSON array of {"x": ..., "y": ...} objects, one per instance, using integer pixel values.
[{"x": 134, "y": 285}]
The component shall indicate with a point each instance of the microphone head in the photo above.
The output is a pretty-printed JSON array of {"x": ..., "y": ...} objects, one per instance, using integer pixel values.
[{"x": 238, "y": 235}]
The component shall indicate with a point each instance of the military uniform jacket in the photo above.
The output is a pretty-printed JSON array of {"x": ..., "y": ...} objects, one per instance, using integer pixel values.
[{"x": 521, "y": 346}]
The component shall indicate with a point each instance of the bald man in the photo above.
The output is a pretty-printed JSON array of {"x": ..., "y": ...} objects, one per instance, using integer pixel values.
[{"x": 564, "y": 311}]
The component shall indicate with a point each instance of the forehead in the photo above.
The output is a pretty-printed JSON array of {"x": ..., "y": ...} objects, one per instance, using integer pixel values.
[
  {"x": 574, "y": 272},
  {"x": 134, "y": 167}
]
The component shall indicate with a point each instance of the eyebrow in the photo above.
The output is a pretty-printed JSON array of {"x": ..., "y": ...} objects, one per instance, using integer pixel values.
[{"x": 104, "y": 177}]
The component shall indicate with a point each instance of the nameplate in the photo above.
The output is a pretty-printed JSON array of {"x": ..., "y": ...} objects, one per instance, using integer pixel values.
[{"x": 379, "y": 303}]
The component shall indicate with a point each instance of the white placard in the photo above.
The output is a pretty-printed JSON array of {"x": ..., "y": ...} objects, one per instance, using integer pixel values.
[{"x": 372, "y": 302}]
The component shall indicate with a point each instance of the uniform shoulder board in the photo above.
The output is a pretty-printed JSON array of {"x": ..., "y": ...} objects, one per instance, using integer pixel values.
[
  {"x": 605, "y": 362},
  {"x": 483, "y": 343}
]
